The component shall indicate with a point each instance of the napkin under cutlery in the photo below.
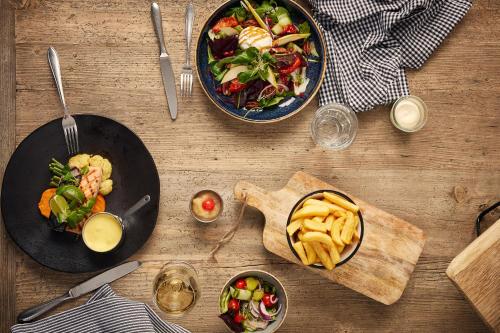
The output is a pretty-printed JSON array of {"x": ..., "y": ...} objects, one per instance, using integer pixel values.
[
  {"x": 371, "y": 42},
  {"x": 105, "y": 312}
]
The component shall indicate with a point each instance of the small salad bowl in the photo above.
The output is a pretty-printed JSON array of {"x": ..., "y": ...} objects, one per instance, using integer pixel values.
[
  {"x": 279, "y": 290},
  {"x": 349, "y": 250}
]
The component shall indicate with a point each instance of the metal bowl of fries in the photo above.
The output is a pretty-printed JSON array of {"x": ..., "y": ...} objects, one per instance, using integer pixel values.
[{"x": 325, "y": 229}]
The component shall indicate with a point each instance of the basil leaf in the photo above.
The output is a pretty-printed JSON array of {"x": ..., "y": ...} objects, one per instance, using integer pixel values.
[
  {"x": 266, "y": 56},
  {"x": 304, "y": 28}
]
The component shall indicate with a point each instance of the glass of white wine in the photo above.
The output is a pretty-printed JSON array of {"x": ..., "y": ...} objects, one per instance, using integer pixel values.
[{"x": 175, "y": 288}]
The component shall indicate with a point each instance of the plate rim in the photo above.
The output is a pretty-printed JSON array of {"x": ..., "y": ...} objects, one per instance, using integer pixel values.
[
  {"x": 306, "y": 102},
  {"x": 3, "y": 189}
]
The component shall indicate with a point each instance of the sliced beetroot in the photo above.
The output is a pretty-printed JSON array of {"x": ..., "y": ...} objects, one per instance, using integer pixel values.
[{"x": 223, "y": 47}]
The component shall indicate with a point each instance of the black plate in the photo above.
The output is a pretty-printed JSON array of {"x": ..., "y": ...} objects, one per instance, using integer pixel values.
[{"x": 27, "y": 175}]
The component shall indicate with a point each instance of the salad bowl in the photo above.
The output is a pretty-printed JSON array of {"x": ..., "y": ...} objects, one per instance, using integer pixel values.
[{"x": 314, "y": 66}]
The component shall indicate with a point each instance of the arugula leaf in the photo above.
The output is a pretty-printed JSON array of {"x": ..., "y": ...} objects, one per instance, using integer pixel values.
[
  {"x": 304, "y": 28},
  {"x": 239, "y": 13},
  {"x": 264, "y": 103}
]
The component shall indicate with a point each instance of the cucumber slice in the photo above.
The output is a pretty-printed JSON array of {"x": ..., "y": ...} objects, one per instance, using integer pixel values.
[{"x": 277, "y": 29}]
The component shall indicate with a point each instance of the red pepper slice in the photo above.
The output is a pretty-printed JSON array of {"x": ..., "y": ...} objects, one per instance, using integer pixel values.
[
  {"x": 230, "y": 21},
  {"x": 288, "y": 70},
  {"x": 236, "y": 86}
]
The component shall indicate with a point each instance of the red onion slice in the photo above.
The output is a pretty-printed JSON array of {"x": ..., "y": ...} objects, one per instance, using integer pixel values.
[{"x": 263, "y": 312}]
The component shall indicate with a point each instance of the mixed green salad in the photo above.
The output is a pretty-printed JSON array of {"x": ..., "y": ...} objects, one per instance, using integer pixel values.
[
  {"x": 249, "y": 305},
  {"x": 259, "y": 57}
]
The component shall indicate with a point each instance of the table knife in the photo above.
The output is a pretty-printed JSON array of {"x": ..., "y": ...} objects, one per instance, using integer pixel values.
[
  {"x": 79, "y": 290},
  {"x": 167, "y": 72}
]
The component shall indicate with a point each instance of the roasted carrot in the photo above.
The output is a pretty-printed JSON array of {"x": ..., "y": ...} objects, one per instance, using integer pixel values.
[
  {"x": 100, "y": 204},
  {"x": 43, "y": 205}
]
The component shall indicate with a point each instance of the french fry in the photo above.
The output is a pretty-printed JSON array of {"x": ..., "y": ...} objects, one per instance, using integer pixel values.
[
  {"x": 316, "y": 202},
  {"x": 348, "y": 229},
  {"x": 319, "y": 219},
  {"x": 311, "y": 211},
  {"x": 311, "y": 254},
  {"x": 323, "y": 255},
  {"x": 339, "y": 213},
  {"x": 329, "y": 222},
  {"x": 314, "y": 225},
  {"x": 355, "y": 234},
  {"x": 334, "y": 255},
  {"x": 316, "y": 236},
  {"x": 335, "y": 199},
  {"x": 336, "y": 230},
  {"x": 299, "y": 248},
  {"x": 340, "y": 249},
  {"x": 300, "y": 235},
  {"x": 294, "y": 226}
]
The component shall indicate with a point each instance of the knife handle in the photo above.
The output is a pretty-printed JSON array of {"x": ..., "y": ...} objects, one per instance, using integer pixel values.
[
  {"x": 156, "y": 16},
  {"x": 30, "y": 314}
]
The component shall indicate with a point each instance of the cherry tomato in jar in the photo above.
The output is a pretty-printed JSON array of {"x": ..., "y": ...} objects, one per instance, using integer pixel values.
[
  {"x": 238, "y": 318},
  {"x": 233, "y": 305},
  {"x": 236, "y": 86},
  {"x": 241, "y": 284},
  {"x": 267, "y": 300},
  {"x": 208, "y": 204}
]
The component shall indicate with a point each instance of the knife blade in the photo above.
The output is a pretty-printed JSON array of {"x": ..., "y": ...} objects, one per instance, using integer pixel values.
[
  {"x": 167, "y": 72},
  {"x": 83, "y": 288},
  {"x": 103, "y": 278}
]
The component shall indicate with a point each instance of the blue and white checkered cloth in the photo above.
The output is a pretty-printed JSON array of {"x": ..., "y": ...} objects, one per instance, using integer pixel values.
[
  {"x": 105, "y": 312},
  {"x": 371, "y": 42}
]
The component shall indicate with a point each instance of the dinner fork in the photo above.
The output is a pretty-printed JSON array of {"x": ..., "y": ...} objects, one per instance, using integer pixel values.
[
  {"x": 68, "y": 122},
  {"x": 187, "y": 70}
]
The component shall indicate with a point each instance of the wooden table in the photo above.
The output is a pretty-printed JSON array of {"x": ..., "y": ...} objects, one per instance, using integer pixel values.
[{"x": 438, "y": 179}]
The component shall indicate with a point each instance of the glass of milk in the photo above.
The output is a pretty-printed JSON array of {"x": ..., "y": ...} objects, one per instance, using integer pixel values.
[{"x": 409, "y": 113}]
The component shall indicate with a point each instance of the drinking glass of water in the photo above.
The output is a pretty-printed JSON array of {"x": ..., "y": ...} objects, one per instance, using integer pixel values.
[{"x": 334, "y": 126}]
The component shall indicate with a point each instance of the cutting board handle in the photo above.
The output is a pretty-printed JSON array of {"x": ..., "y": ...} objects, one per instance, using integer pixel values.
[{"x": 255, "y": 196}]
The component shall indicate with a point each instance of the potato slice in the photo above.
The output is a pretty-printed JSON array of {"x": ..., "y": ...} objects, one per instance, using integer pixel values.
[
  {"x": 294, "y": 226},
  {"x": 323, "y": 255},
  {"x": 316, "y": 236},
  {"x": 299, "y": 248},
  {"x": 314, "y": 225},
  {"x": 310, "y": 253},
  {"x": 329, "y": 222},
  {"x": 311, "y": 211},
  {"x": 336, "y": 231},
  {"x": 335, "y": 199},
  {"x": 348, "y": 229}
]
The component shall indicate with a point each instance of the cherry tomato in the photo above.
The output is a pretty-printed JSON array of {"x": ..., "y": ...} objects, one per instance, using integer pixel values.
[
  {"x": 208, "y": 204},
  {"x": 267, "y": 300},
  {"x": 238, "y": 318},
  {"x": 230, "y": 21},
  {"x": 236, "y": 86},
  {"x": 233, "y": 305},
  {"x": 296, "y": 64},
  {"x": 241, "y": 284},
  {"x": 290, "y": 29}
]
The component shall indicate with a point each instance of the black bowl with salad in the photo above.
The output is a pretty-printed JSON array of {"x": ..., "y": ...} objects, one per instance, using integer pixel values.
[
  {"x": 261, "y": 61},
  {"x": 253, "y": 301}
]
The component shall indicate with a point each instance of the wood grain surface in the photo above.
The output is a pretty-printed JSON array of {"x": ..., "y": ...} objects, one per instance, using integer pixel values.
[
  {"x": 385, "y": 260},
  {"x": 438, "y": 178},
  {"x": 476, "y": 272}
]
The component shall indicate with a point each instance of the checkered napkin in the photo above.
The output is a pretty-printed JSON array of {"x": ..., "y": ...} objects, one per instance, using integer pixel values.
[
  {"x": 371, "y": 42},
  {"x": 105, "y": 312}
]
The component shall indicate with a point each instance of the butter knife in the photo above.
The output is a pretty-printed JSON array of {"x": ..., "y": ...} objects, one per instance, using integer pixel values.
[
  {"x": 167, "y": 72},
  {"x": 79, "y": 290}
]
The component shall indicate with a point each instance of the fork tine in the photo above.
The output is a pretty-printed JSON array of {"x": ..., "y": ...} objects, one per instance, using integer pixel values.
[
  {"x": 71, "y": 140},
  {"x": 185, "y": 84},
  {"x": 182, "y": 84},
  {"x": 67, "y": 141},
  {"x": 76, "y": 139},
  {"x": 190, "y": 84}
]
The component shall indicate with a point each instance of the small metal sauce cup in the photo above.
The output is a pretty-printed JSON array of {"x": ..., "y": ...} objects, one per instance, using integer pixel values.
[
  {"x": 214, "y": 194},
  {"x": 117, "y": 219}
]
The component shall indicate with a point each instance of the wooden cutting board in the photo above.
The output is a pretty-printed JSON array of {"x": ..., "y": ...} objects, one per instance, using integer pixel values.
[
  {"x": 383, "y": 264},
  {"x": 476, "y": 272}
]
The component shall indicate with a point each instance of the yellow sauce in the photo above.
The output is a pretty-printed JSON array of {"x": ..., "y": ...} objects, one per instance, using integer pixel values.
[{"x": 102, "y": 232}]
